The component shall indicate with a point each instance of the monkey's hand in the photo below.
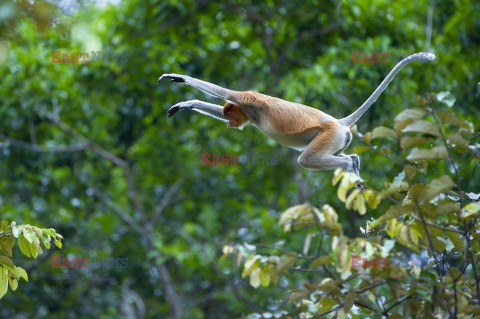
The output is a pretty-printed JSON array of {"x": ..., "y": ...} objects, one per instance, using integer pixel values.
[
  {"x": 177, "y": 78},
  {"x": 179, "y": 107}
]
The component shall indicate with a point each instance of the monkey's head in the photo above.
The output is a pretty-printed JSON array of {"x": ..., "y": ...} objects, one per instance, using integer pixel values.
[{"x": 236, "y": 116}]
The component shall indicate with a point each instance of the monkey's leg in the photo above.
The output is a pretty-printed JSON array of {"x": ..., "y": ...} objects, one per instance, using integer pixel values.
[
  {"x": 204, "y": 86},
  {"x": 206, "y": 108},
  {"x": 319, "y": 153}
]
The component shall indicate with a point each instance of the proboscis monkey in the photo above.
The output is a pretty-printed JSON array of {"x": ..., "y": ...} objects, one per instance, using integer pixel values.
[{"x": 320, "y": 137}]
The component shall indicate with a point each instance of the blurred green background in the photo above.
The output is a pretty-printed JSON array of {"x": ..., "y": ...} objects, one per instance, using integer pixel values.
[{"x": 87, "y": 148}]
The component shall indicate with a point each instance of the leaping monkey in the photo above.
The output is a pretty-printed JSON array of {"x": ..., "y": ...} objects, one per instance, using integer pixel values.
[{"x": 320, "y": 137}]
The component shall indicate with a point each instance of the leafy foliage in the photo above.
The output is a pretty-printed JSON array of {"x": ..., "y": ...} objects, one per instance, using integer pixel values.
[
  {"x": 29, "y": 239},
  {"x": 87, "y": 149},
  {"x": 419, "y": 255}
]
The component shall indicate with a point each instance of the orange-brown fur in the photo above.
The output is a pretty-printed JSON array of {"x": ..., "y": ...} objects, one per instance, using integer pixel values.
[{"x": 236, "y": 115}]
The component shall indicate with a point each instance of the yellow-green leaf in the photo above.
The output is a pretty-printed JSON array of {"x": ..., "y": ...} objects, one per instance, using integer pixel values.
[
  {"x": 13, "y": 283},
  {"x": 351, "y": 197},
  {"x": 360, "y": 149},
  {"x": 286, "y": 261},
  {"x": 456, "y": 140},
  {"x": 58, "y": 243},
  {"x": 447, "y": 117},
  {"x": 448, "y": 207},
  {"x": 22, "y": 273},
  {"x": 265, "y": 276},
  {"x": 384, "y": 132},
  {"x": 411, "y": 141},
  {"x": 373, "y": 198},
  {"x": 360, "y": 205},
  {"x": 394, "y": 211},
  {"x": 3, "y": 281},
  {"x": 457, "y": 240},
  {"x": 435, "y": 153},
  {"x": 252, "y": 263},
  {"x": 29, "y": 234},
  {"x": 471, "y": 210},
  {"x": 437, "y": 186},
  {"x": 422, "y": 126},
  {"x": 408, "y": 114},
  {"x": 4, "y": 260},
  {"x": 6, "y": 244},
  {"x": 24, "y": 246},
  {"x": 349, "y": 300},
  {"x": 297, "y": 294},
  {"x": 255, "y": 278},
  {"x": 321, "y": 261}
]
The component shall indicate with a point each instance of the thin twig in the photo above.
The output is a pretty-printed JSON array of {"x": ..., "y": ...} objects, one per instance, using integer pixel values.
[{"x": 396, "y": 303}]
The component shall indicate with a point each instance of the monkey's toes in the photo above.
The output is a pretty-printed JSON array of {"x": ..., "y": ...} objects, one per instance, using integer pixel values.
[{"x": 173, "y": 77}]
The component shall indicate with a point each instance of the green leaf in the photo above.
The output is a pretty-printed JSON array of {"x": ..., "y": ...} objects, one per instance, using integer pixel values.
[
  {"x": 255, "y": 280},
  {"x": 422, "y": 126},
  {"x": 16, "y": 231},
  {"x": 394, "y": 211},
  {"x": 58, "y": 243},
  {"x": 46, "y": 240},
  {"x": 446, "y": 97},
  {"x": 456, "y": 140},
  {"x": 414, "y": 114},
  {"x": 252, "y": 263},
  {"x": 349, "y": 300},
  {"x": 4, "y": 260},
  {"x": 470, "y": 210},
  {"x": 3, "y": 281},
  {"x": 448, "y": 207},
  {"x": 13, "y": 283},
  {"x": 22, "y": 273},
  {"x": 411, "y": 141},
  {"x": 286, "y": 261},
  {"x": 360, "y": 149},
  {"x": 321, "y": 261},
  {"x": 447, "y": 117},
  {"x": 24, "y": 246},
  {"x": 351, "y": 197},
  {"x": 384, "y": 132},
  {"x": 435, "y": 153},
  {"x": 297, "y": 294},
  {"x": 6, "y": 244},
  {"x": 29, "y": 234},
  {"x": 294, "y": 212},
  {"x": 457, "y": 240},
  {"x": 265, "y": 276},
  {"x": 373, "y": 198},
  {"x": 437, "y": 186},
  {"x": 360, "y": 205}
]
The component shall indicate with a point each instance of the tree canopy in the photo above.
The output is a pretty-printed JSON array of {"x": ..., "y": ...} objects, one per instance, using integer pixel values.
[{"x": 89, "y": 159}]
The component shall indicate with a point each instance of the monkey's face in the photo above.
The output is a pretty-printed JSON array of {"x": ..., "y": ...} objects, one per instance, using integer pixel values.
[{"x": 236, "y": 116}]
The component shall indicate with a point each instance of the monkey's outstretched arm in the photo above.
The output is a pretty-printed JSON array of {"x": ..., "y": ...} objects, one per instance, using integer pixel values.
[
  {"x": 206, "y": 108},
  {"x": 204, "y": 86}
]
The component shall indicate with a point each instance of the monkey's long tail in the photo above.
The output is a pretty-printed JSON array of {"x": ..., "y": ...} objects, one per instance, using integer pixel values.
[{"x": 355, "y": 116}]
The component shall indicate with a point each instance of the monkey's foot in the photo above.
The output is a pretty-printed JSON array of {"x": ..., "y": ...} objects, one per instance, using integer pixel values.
[
  {"x": 360, "y": 186},
  {"x": 173, "y": 78},
  {"x": 355, "y": 164},
  {"x": 178, "y": 107}
]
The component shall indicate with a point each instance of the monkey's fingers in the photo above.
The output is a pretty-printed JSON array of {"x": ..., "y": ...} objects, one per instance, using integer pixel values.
[
  {"x": 178, "y": 107},
  {"x": 173, "y": 77},
  {"x": 171, "y": 111}
]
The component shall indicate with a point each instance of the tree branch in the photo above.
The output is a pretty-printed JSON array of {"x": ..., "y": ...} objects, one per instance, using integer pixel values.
[{"x": 39, "y": 149}]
